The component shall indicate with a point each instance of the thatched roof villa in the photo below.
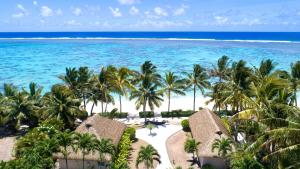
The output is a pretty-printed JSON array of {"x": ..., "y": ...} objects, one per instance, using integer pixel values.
[
  {"x": 206, "y": 126},
  {"x": 101, "y": 127}
]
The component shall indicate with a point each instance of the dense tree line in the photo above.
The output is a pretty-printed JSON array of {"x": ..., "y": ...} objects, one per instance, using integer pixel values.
[{"x": 261, "y": 102}]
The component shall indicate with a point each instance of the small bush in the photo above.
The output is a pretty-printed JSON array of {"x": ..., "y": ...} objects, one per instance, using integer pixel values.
[
  {"x": 185, "y": 125},
  {"x": 131, "y": 131},
  {"x": 149, "y": 114},
  {"x": 177, "y": 113},
  {"x": 208, "y": 166}
]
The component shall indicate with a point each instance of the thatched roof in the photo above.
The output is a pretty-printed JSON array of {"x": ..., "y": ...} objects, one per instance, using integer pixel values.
[
  {"x": 6, "y": 148},
  {"x": 101, "y": 127},
  {"x": 205, "y": 125}
]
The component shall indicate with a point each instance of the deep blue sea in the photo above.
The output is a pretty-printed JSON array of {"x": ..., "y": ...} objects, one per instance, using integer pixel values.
[{"x": 41, "y": 57}]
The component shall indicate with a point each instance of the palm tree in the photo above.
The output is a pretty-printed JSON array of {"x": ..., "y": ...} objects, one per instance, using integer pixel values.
[
  {"x": 191, "y": 146},
  {"x": 70, "y": 78},
  {"x": 147, "y": 155},
  {"x": 87, "y": 143},
  {"x": 147, "y": 93},
  {"x": 105, "y": 146},
  {"x": 295, "y": 73},
  {"x": 197, "y": 79},
  {"x": 150, "y": 126},
  {"x": 102, "y": 85},
  {"x": 222, "y": 70},
  {"x": 65, "y": 139},
  {"x": 172, "y": 83},
  {"x": 121, "y": 82},
  {"x": 223, "y": 145},
  {"x": 63, "y": 105}
]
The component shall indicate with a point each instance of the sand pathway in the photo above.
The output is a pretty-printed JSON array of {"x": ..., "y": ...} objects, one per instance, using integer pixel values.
[{"x": 158, "y": 141}]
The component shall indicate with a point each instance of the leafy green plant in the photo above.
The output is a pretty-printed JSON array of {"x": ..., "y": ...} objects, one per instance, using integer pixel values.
[
  {"x": 131, "y": 131},
  {"x": 185, "y": 125},
  {"x": 123, "y": 152},
  {"x": 149, "y": 114}
]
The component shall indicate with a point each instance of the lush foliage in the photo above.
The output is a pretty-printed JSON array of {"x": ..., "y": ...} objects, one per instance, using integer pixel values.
[
  {"x": 147, "y": 155},
  {"x": 149, "y": 114},
  {"x": 123, "y": 151}
]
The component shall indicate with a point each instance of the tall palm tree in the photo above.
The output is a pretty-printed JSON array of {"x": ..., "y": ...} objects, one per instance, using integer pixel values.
[
  {"x": 65, "y": 139},
  {"x": 223, "y": 145},
  {"x": 295, "y": 73},
  {"x": 84, "y": 84},
  {"x": 147, "y": 155},
  {"x": 61, "y": 103},
  {"x": 192, "y": 146},
  {"x": 70, "y": 78},
  {"x": 197, "y": 79},
  {"x": 86, "y": 143},
  {"x": 105, "y": 146},
  {"x": 147, "y": 81},
  {"x": 147, "y": 93},
  {"x": 172, "y": 84},
  {"x": 102, "y": 85},
  {"x": 121, "y": 83}
]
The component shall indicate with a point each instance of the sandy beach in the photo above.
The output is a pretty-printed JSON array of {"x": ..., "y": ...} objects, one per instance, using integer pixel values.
[{"x": 177, "y": 102}]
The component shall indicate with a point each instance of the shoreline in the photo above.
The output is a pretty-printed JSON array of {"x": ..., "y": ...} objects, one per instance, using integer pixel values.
[{"x": 177, "y": 102}]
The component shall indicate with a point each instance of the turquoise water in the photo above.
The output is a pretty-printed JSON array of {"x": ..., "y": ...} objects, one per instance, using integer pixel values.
[{"x": 41, "y": 61}]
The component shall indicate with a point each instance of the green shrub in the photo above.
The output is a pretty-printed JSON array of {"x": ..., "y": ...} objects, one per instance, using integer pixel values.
[
  {"x": 118, "y": 115},
  {"x": 131, "y": 131},
  {"x": 185, "y": 124},
  {"x": 123, "y": 151},
  {"x": 208, "y": 166},
  {"x": 177, "y": 113},
  {"x": 149, "y": 114}
]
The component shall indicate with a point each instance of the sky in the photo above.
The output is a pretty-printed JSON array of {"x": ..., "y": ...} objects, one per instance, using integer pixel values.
[{"x": 149, "y": 15}]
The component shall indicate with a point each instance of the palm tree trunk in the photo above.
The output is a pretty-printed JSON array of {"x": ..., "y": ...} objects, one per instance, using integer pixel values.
[
  {"x": 120, "y": 98},
  {"x": 296, "y": 97},
  {"x": 84, "y": 102},
  {"x": 67, "y": 166},
  {"x": 106, "y": 107},
  {"x": 102, "y": 105},
  {"x": 92, "y": 108},
  {"x": 144, "y": 109},
  {"x": 194, "y": 106},
  {"x": 169, "y": 97}
]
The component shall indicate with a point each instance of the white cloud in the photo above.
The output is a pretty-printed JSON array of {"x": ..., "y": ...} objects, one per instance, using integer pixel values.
[
  {"x": 160, "y": 11},
  {"x": 22, "y": 12},
  {"x": 298, "y": 13},
  {"x": 46, "y": 11},
  {"x": 134, "y": 11},
  {"x": 35, "y": 3},
  {"x": 180, "y": 11},
  {"x": 72, "y": 23},
  {"x": 77, "y": 11},
  {"x": 127, "y": 2},
  {"x": 18, "y": 15},
  {"x": 59, "y": 12},
  {"x": 221, "y": 19},
  {"x": 115, "y": 12}
]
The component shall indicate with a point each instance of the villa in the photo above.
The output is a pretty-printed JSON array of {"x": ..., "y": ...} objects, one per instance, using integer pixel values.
[
  {"x": 101, "y": 127},
  {"x": 205, "y": 128}
]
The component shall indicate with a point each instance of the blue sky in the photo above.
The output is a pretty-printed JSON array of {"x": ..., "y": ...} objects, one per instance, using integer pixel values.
[{"x": 150, "y": 15}]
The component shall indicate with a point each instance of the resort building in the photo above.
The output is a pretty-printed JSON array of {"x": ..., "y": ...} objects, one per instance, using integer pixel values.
[
  {"x": 101, "y": 127},
  {"x": 205, "y": 128}
]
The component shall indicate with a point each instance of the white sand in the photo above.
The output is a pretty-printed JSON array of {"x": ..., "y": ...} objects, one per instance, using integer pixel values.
[
  {"x": 158, "y": 141},
  {"x": 182, "y": 102}
]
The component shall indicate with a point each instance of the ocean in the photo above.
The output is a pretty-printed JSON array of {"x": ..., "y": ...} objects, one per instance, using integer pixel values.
[{"x": 41, "y": 56}]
